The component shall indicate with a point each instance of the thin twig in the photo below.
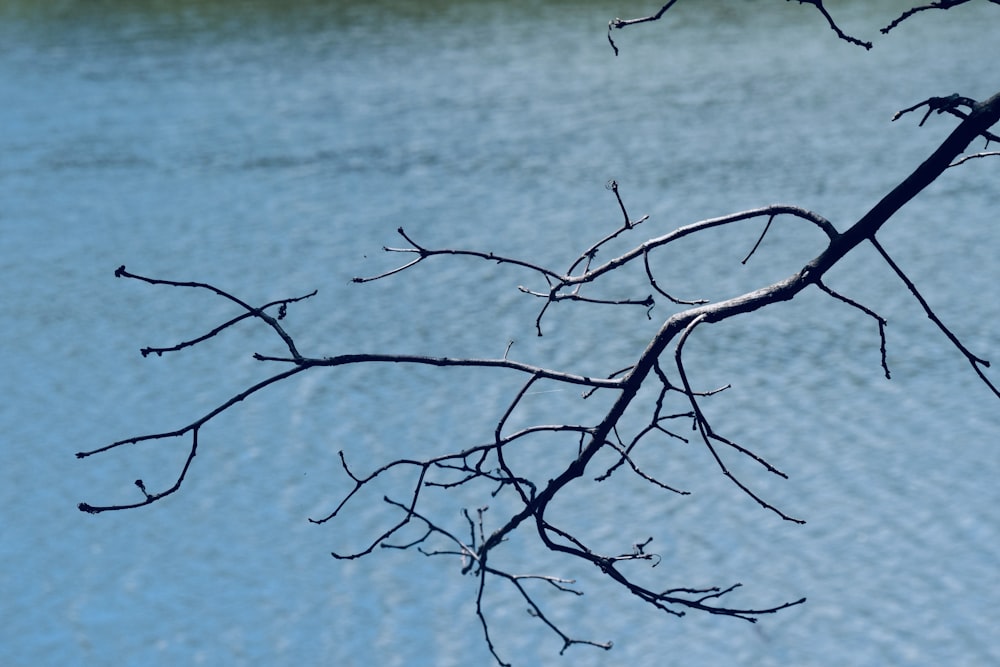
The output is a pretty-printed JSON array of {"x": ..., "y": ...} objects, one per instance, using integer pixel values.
[
  {"x": 940, "y": 4},
  {"x": 867, "y": 311},
  {"x": 977, "y": 363}
]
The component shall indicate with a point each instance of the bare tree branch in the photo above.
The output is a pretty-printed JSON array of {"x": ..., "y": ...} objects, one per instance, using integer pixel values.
[
  {"x": 260, "y": 313},
  {"x": 972, "y": 156},
  {"x": 492, "y": 466},
  {"x": 618, "y": 24},
  {"x": 977, "y": 363},
  {"x": 818, "y": 4},
  {"x": 940, "y": 4},
  {"x": 871, "y": 313}
]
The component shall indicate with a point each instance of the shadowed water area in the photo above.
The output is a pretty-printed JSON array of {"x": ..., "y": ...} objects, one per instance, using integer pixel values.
[{"x": 273, "y": 149}]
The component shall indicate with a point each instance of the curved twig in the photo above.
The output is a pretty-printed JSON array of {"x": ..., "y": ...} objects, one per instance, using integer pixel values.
[
  {"x": 867, "y": 311},
  {"x": 939, "y": 4},
  {"x": 259, "y": 313},
  {"x": 708, "y": 435},
  {"x": 618, "y": 24}
]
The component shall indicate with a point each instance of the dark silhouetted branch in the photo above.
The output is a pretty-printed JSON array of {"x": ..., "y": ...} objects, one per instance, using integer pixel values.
[
  {"x": 499, "y": 466},
  {"x": 940, "y": 4},
  {"x": 618, "y": 24}
]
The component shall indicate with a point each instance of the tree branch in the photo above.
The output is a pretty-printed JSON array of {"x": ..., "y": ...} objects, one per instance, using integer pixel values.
[
  {"x": 491, "y": 464},
  {"x": 940, "y": 4},
  {"x": 618, "y": 24},
  {"x": 818, "y": 4},
  {"x": 977, "y": 363},
  {"x": 259, "y": 313}
]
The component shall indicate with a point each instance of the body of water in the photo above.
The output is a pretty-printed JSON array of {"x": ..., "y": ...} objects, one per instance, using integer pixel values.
[{"x": 273, "y": 148}]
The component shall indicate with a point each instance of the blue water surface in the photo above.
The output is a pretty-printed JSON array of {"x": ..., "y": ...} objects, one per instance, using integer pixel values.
[{"x": 274, "y": 148}]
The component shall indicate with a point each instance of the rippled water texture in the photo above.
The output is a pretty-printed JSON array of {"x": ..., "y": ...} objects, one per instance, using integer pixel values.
[{"x": 274, "y": 148}]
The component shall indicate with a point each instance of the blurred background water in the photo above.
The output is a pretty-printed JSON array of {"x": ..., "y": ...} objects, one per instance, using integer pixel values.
[{"x": 272, "y": 148}]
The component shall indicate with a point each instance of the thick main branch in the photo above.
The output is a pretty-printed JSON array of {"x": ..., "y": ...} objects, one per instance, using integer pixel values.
[{"x": 983, "y": 116}]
